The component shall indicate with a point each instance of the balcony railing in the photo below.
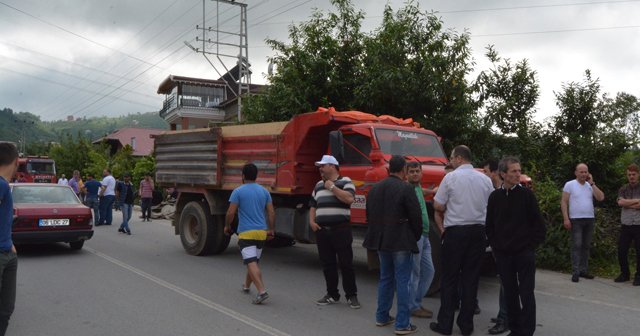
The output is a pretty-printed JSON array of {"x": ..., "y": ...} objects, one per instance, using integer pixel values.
[{"x": 193, "y": 104}]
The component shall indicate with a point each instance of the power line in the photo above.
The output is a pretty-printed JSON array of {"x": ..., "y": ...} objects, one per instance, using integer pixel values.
[
  {"x": 65, "y": 85},
  {"x": 533, "y": 6},
  {"x": 555, "y": 31},
  {"x": 67, "y": 74},
  {"x": 72, "y": 94},
  {"x": 74, "y": 34}
]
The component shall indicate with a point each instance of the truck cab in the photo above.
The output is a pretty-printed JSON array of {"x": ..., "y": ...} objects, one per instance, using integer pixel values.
[{"x": 363, "y": 151}]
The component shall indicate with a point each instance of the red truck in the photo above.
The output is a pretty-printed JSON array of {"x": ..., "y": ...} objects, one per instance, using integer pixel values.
[
  {"x": 36, "y": 169},
  {"x": 204, "y": 165}
]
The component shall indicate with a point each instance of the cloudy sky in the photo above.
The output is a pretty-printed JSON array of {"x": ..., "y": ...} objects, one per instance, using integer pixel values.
[{"x": 90, "y": 58}]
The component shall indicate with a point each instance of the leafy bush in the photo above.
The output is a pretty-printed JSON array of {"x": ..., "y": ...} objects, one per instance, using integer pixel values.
[{"x": 555, "y": 253}]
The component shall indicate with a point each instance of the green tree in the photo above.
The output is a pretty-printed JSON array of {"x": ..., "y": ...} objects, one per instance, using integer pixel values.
[
  {"x": 414, "y": 68},
  {"x": 585, "y": 130},
  {"x": 123, "y": 161},
  {"x": 509, "y": 93},
  {"x": 320, "y": 67},
  {"x": 143, "y": 166},
  {"x": 71, "y": 154}
]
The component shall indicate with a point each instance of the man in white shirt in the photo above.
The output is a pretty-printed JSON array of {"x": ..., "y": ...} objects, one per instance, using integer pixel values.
[
  {"x": 107, "y": 197},
  {"x": 579, "y": 217},
  {"x": 463, "y": 193},
  {"x": 63, "y": 180}
]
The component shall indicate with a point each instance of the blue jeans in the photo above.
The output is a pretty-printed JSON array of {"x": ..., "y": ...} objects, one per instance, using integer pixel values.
[
  {"x": 93, "y": 203},
  {"x": 395, "y": 268},
  {"x": 126, "y": 216},
  {"x": 106, "y": 209},
  {"x": 422, "y": 273}
]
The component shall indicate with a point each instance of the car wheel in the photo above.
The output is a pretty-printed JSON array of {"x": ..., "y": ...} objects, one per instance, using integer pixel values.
[
  {"x": 201, "y": 233},
  {"x": 76, "y": 245}
]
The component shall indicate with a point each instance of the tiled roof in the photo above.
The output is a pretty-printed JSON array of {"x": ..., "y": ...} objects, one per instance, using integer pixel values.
[{"x": 143, "y": 140}]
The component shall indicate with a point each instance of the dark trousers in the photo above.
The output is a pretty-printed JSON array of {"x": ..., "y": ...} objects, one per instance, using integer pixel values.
[
  {"x": 627, "y": 234},
  {"x": 8, "y": 273},
  {"x": 462, "y": 251},
  {"x": 581, "y": 236},
  {"x": 518, "y": 275},
  {"x": 145, "y": 204},
  {"x": 106, "y": 209},
  {"x": 334, "y": 248}
]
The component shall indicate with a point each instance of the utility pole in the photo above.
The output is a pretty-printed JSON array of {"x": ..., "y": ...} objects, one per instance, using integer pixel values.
[{"x": 215, "y": 42}]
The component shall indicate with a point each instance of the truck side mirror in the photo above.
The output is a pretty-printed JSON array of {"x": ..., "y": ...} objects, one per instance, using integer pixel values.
[{"x": 336, "y": 145}]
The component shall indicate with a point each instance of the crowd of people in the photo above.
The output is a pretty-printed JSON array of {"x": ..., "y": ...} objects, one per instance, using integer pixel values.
[
  {"x": 110, "y": 193},
  {"x": 473, "y": 210}
]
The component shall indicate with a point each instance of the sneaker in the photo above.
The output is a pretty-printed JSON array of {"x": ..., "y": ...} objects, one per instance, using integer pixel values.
[
  {"x": 353, "y": 302},
  {"x": 260, "y": 298},
  {"x": 389, "y": 321},
  {"x": 326, "y": 300},
  {"x": 406, "y": 331},
  {"x": 575, "y": 278},
  {"x": 245, "y": 289},
  {"x": 622, "y": 278}
]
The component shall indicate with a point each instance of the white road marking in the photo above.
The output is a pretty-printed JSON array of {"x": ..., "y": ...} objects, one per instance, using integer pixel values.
[
  {"x": 575, "y": 298},
  {"x": 207, "y": 303}
]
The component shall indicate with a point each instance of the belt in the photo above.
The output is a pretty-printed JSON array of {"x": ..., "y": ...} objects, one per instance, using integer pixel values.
[
  {"x": 469, "y": 226},
  {"x": 336, "y": 227}
]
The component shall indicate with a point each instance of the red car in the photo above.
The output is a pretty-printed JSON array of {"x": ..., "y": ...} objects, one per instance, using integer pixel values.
[{"x": 48, "y": 213}]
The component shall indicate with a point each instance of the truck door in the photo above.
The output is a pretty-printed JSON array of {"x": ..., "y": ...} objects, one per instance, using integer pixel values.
[{"x": 354, "y": 163}]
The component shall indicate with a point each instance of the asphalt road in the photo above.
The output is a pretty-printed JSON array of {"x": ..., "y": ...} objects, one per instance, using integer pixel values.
[{"x": 145, "y": 284}]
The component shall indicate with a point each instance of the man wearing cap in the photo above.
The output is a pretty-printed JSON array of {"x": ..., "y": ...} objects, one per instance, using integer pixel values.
[
  {"x": 124, "y": 193},
  {"x": 329, "y": 218}
]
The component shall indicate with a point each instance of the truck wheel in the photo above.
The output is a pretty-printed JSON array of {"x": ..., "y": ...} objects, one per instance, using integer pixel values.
[
  {"x": 76, "y": 245},
  {"x": 200, "y": 234},
  {"x": 221, "y": 239}
]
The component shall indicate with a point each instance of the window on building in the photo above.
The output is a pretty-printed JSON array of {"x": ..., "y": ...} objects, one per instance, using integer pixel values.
[{"x": 133, "y": 143}]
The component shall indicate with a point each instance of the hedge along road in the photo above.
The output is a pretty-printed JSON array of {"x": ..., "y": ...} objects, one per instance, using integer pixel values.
[{"x": 145, "y": 284}]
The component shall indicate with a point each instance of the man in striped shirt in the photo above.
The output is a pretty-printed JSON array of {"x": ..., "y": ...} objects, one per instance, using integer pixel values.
[{"x": 330, "y": 217}]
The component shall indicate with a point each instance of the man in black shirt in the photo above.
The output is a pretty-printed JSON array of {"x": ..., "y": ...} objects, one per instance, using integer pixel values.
[
  {"x": 124, "y": 193},
  {"x": 515, "y": 228}
]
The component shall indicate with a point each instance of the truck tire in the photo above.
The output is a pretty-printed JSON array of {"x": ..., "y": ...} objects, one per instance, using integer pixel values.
[{"x": 200, "y": 233}]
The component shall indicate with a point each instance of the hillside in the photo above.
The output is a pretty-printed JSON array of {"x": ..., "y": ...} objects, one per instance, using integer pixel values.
[{"x": 14, "y": 124}]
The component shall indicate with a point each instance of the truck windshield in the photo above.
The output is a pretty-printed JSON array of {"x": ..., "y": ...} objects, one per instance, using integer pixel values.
[
  {"x": 407, "y": 143},
  {"x": 41, "y": 167}
]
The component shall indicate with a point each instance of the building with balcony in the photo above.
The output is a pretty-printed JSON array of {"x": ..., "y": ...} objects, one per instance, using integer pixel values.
[{"x": 196, "y": 102}]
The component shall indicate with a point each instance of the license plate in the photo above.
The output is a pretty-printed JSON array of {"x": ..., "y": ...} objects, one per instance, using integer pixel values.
[{"x": 54, "y": 222}]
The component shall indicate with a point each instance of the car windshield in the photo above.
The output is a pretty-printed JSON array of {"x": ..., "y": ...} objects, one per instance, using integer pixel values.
[
  {"x": 407, "y": 143},
  {"x": 43, "y": 194}
]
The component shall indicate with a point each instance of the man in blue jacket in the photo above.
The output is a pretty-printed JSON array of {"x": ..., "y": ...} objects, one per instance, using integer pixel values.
[
  {"x": 394, "y": 228},
  {"x": 8, "y": 256}
]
